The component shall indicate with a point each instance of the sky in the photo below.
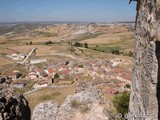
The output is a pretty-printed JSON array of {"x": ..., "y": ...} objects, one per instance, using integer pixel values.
[{"x": 67, "y": 10}]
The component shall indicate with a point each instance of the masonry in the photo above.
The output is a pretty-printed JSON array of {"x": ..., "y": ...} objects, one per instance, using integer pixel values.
[{"x": 145, "y": 94}]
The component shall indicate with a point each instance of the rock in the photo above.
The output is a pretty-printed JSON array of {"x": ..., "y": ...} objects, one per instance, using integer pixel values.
[
  {"x": 145, "y": 93},
  {"x": 86, "y": 104},
  {"x": 45, "y": 111},
  {"x": 12, "y": 105}
]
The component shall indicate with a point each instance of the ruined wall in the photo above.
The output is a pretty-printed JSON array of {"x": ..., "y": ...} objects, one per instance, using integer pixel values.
[{"x": 145, "y": 95}]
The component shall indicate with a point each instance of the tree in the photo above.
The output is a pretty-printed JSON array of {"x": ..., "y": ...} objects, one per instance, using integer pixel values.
[
  {"x": 85, "y": 45},
  {"x": 116, "y": 52},
  {"x": 30, "y": 43},
  {"x": 56, "y": 76},
  {"x": 128, "y": 86},
  {"x": 48, "y": 42},
  {"x": 121, "y": 103},
  {"x": 77, "y": 44}
]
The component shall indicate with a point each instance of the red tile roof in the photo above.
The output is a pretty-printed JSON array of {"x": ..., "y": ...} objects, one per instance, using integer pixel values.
[
  {"x": 126, "y": 76},
  {"x": 120, "y": 85},
  {"x": 32, "y": 73},
  {"x": 117, "y": 70},
  {"x": 111, "y": 91},
  {"x": 36, "y": 69},
  {"x": 65, "y": 72},
  {"x": 50, "y": 70},
  {"x": 49, "y": 77},
  {"x": 17, "y": 82}
]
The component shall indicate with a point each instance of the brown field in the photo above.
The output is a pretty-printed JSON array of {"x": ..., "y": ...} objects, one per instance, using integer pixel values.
[
  {"x": 111, "y": 37},
  {"x": 41, "y": 49},
  {"x": 4, "y": 61},
  {"x": 56, "y": 95}
]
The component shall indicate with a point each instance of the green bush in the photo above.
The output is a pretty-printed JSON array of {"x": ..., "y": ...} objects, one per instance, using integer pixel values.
[
  {"x": 56, "y": 76},
  {"x": 85, "y": 45},
  {"x": 121, "y": 103},
  {"x": 48, "y": 42},
  {"x": 128, "y": 86},
  {"x": 77, "y": 44},
  {"x": 115, "y": 51}
]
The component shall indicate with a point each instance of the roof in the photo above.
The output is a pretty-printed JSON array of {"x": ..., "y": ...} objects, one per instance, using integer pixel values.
[
  {"x": 126, "y": 76},
  {"x": 120, "y": 85},
  {"x": 15, "y": 71},
  {"x": 111, "y": 91},
  {"x": 65, "y": 72},
  {"x": 49, "y": 77},
  {"x": 63, "y": 66},
  {"x": 18, "y": 82},
  {"x": 39, "y": 70},
  {"x": 117, "y": 70},
  {"x": 50, "y": 70},
  {"x": 42, "y": 83},
  {"x": 32, "y": 73},
  {"x": 91, "y": 69}
]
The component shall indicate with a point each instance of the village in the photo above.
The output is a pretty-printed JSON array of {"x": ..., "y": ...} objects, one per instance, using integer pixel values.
[{"x": 61, "y": 73}]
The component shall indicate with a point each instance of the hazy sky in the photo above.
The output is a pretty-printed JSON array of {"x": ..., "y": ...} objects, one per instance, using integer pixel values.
[{"x": 67, "y": 10}]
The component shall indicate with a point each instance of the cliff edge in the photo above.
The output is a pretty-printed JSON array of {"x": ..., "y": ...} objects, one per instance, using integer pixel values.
[{"x": 145, "y": 94}]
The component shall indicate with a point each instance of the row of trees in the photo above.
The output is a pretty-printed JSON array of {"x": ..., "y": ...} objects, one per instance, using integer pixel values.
[
  {"x": 77, "y": 44},
  {"x": 117, "y": 52}
]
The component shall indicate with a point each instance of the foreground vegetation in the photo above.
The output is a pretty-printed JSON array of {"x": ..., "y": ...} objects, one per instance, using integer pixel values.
[{"x": 121, "y": 103}]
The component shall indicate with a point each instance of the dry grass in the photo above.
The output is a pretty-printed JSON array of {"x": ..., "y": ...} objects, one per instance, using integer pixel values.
[
  {"x": 57, "y": 95},
  {"x": 4, "y": 61},
  {"x": 41, "y": 49},
  {"x": 110, "y": 38}
]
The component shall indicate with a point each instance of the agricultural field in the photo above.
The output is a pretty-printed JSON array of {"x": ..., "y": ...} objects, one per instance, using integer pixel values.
[{"x": 53, "y": 41}]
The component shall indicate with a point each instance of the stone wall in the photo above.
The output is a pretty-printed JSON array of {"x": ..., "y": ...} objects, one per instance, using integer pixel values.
[{"x": 145, "y": 95}]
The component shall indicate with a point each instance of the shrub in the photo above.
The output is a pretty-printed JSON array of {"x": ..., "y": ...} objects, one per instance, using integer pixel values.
[
  {"x": 84, "y": 108},
  {"x": 128, "y": 86},
  {"x": 85, "y": 45},
  {"x": 77, "y": 44},
  {"x": 48, "y": 42},
  {"x": 75, "y": 103},
  {"x": 116, "y": 52},
  {"x": 121, "y": 103},
  {"x": 30, "y": 43},
  {"x": 56, "y": 76}
]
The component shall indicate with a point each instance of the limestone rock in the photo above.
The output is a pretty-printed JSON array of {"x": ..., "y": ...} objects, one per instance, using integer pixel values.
[
  {"x": 45, "y": 111},
  {"x": 86, "y": 104},
  {"x": 145, "y": 94},
  {"x": 12, "y": 105}
]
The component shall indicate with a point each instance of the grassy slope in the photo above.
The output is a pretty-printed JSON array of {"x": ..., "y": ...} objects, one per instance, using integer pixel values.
[{"x": 57, "y": 95}]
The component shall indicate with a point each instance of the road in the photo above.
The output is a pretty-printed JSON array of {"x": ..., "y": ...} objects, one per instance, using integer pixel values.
[{"x": 63, "y": 54}]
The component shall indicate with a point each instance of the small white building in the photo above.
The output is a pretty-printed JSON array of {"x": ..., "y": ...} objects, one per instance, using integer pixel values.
[
  {"x": 40, "y": 85},
  {"x": 18, "y": 84},
  {"x": 32, "y": 75},
  {"x": 38, "y": 61}
]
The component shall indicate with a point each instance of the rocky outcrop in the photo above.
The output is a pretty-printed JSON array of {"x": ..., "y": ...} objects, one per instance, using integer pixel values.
[
  {"x": 12, "y": 105},
  {"x": 145, "y": 95},
  {"x": 84, "y": 105},
  {"x": 45, "y": 111}
]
